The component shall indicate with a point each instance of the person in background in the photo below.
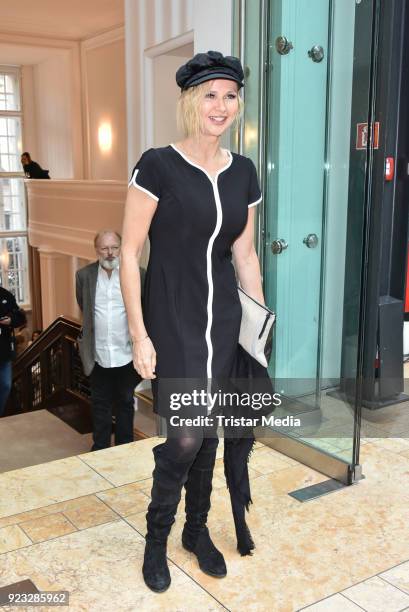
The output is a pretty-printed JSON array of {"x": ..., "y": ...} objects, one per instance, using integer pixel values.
[
  {"x": 36, "y": 334},
  {"x": 32, "y": 169},
  {"x": 11, "y": 316},
  {"x": 22, "y": 336},
  {"x": 105, "y": 344}
]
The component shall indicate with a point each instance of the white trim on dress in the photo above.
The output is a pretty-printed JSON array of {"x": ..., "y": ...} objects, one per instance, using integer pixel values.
[
  {"x": 219, "y": 220},
  {"x": 135, "y": 184},
  {"x": 256, "y": 202}
]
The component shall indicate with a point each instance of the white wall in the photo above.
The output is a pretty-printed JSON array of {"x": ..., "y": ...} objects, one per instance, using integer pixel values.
[
  {"x": 104, "y": 101},
  {"x": 68, "y": 89},
  {"x": 29, "y": 111},
  {"x": 165, "y": 95},
  {"x": 52, "y": 102},
  {"x": 51, "y": 89},
  {"x": 212, "y": 23},
  {"x": 153, "y": 28}
]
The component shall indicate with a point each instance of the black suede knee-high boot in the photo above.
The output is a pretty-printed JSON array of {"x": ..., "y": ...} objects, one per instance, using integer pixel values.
[
  {"x": 168, "y": 479},
  {"x": 195, "y": 535}
]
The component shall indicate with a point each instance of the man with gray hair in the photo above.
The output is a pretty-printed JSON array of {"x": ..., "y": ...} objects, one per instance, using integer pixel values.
[{"x": 105, "y": 344}]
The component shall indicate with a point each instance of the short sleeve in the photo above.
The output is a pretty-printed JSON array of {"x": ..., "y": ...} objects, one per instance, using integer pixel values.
[
  {"x": 254, "y": 196},
  {"x": 145, "y": 175}
]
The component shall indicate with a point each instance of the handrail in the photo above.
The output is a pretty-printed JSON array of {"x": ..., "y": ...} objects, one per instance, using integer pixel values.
[
  {"x": 49, "y": 372},
  {"x": 49, "y": 375},
  {"x": 31, "y": 353}
]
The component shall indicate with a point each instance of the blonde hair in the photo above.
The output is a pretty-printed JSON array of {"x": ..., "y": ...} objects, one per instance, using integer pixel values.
[{"x": 188, "y": 109}]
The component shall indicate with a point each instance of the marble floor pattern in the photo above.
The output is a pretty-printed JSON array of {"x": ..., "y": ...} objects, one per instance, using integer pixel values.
[{"x": 77, "y": 524}]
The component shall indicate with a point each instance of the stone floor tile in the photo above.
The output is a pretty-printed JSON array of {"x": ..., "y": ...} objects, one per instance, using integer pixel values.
[
  {"x": 11, "y": 538},
  {"x": 48, "y": 527},
  {"x": 41, "y": 485},
  {"x": 101, "y": 569},
  {"x": 376, "y": 594},
  {"x": 398, "y": 576},
  {"x": 336, "y": 603}
]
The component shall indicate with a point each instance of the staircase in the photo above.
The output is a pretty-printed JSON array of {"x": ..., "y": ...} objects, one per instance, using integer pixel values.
[{"x": 48, "y": 375}]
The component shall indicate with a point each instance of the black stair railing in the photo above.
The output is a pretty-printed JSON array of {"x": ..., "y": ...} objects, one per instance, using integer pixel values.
[{"x": 49, "y": 372}]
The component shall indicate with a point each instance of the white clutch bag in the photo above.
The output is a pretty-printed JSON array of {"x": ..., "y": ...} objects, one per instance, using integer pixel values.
[{"x": 256, "y": 330}]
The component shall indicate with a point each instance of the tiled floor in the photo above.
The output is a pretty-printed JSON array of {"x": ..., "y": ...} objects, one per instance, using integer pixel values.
[{"x": 77, "y": 524}]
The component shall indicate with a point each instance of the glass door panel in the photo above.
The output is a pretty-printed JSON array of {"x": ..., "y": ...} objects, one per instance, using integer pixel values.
[
  {"x": 298, "y": 48},
  {"x": 318, "y": 84}
]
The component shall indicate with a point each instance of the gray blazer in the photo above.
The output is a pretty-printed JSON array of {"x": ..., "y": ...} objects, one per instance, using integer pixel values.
[{"x": 85, "y": 287}]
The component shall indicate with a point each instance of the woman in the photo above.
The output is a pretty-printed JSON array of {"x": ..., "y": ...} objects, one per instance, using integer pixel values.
[{"x": 197, "y": 202}]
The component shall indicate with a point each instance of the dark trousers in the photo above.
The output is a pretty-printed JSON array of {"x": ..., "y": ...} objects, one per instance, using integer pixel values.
[
  {"x": 5, "y": 384},
  {"x": 112, "y": 393}
]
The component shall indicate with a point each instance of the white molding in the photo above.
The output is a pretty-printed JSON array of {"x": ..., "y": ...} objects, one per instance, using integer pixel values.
[
  {"x": 106, "y": 38},
  {"x": 67, "y": 49},
  {"x": 77, "y": 114},
  {"x": 15, "y": 27},
  {"x": 10, "y": 69},
  {"x": 63, "y": 241},
  {"x": 175, "y": 18},
  {"x": 47, "y": 253},
  {"x": 54, "y": 239},
  {"x": 73, "y": 182},
  {"x": 158, "y": 18},
  {"x": 170, "y": 44},
  {"x": 149, "y": 55},
  {"x": 63, "y": 231},
  {"x": 69, "y": 198},
  {"x": 34, "y": 185},
  {"x": 13, "y": 234},
  {"x": 36, "y": 41},
  {"x": 85, "y": 110},
  {"x": 56, "y": 219},
  {"x": 142, "y": 21}
]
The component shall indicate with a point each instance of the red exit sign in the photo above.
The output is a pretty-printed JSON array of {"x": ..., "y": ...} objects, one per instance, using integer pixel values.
[{"x": 362, "y": 135}]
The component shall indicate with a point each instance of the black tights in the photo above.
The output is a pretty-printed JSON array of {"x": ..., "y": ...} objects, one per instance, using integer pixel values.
[{"x": 184, "y": 444}]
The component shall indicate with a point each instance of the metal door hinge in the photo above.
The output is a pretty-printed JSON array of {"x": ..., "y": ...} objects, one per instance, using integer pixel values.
[{"x": 355, "y": 474}]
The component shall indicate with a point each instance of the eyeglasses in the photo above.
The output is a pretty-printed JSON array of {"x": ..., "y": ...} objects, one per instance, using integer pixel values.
[{"x": 115, "y": 249}]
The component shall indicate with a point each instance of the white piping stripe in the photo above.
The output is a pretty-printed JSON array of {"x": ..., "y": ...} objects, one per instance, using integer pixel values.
[
  {"x": 133, "y": 177},
  {"x": 135, "y": 184},
  {"x": 210, "y": 279},
  {"x": 219, "y": 220},
  {"x": 256, "y": 202}
]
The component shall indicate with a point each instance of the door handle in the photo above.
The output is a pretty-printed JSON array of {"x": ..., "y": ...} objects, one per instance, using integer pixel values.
[
  {"x": 311, "y": 241},
  {"x": 316, "y": 53},
  {"x": 278, "y": 246},
  {"x": 283, "y": 45}
]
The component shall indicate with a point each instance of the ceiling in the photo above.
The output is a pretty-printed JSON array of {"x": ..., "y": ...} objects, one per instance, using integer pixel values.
[{"x": 72, "y": 20}]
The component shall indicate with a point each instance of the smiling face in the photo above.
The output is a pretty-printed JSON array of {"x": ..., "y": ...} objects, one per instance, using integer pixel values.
[{"x": 219, "y": 107}]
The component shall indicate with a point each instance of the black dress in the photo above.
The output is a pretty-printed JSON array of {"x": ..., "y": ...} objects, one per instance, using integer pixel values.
[{"x": 191, "y": 307}]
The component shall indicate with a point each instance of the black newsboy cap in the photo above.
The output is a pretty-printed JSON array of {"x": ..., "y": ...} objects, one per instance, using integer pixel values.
[{"x": 208, "y": 66}]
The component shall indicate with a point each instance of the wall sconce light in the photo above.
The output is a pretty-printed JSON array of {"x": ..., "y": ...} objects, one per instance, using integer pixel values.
[
  {"x": 250, "y": 136},
  {"x": 105, "y": 137},
  {"x": 4, "y": 257}
]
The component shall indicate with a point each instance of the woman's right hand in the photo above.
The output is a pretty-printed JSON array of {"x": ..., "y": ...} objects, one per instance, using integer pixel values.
[{"x": 144, "y": 358}]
